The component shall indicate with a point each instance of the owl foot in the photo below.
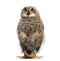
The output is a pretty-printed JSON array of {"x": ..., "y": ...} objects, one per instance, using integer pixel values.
[{"x": 35, "y": 57}]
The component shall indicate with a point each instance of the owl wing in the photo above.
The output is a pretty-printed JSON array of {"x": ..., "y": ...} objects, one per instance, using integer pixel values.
[
  {"x": 37, "y": 36},
  {"x": 21, "y": 35}
]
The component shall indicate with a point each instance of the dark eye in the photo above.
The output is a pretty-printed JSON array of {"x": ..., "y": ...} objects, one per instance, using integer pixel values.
[
  {"x": 33, "y": 10},
  {"x": 25, "y": 9}
]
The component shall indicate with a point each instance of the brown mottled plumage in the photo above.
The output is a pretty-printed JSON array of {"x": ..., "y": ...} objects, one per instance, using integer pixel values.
[{"x": 30, "y": 32}]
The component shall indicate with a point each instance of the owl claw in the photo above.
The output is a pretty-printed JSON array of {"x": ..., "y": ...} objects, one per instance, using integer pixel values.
[{"x": 35, "y": 57}]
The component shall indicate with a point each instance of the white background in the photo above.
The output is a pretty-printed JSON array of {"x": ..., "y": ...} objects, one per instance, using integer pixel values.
[{"x": 9, "y": 17}]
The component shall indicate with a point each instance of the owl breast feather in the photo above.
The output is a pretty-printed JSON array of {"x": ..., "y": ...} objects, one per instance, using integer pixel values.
[{"x": 30, "y": 28}]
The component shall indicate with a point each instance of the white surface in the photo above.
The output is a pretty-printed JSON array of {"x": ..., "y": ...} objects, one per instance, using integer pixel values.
[{"x": 9, "y": 17}]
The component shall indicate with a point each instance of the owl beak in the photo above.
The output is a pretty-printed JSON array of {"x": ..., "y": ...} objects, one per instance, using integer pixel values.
[{"x": 28, "y": 13}]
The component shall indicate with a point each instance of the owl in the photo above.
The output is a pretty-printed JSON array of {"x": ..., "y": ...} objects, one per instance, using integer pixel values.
[{"x": 30, "y": 32}]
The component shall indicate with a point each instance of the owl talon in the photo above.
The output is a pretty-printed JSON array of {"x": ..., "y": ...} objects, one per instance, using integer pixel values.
[{"x": 36, "y": 57}]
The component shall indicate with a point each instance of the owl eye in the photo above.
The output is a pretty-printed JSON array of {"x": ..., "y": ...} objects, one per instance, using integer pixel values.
[
  {"x": 32, "y": 10},
  {"x": 25, "y": 9}
]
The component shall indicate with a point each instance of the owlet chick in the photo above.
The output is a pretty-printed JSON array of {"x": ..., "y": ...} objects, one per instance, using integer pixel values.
[{"x": 30, "y": 32}]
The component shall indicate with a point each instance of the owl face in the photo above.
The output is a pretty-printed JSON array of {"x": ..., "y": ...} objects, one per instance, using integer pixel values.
[{"x": 28, "y": 12}]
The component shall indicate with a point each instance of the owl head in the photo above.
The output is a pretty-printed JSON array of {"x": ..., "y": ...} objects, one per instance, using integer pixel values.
[{"x": 29, "y": 12}]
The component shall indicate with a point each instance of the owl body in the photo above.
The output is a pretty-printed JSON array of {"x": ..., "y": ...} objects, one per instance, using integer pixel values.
[{"x": 30, "y": 32}]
